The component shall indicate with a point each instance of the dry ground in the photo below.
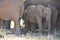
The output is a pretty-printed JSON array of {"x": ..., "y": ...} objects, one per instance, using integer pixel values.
[{"x": 28, "y": 36}]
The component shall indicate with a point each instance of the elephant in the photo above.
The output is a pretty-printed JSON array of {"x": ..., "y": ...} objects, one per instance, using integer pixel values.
[
  {"x": 12, "y": 10},
  {"x": 34, "y": 14},
  {"x": 53, "y": 3},
  {"x": 29, "y": 18}
]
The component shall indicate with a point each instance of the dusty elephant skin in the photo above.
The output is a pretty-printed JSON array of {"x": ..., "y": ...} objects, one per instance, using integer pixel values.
[
  {"x": 29, "y": 18},
  {"x": 12, "y": 10},
  {"x": 53, "y": 3},
  {"x": 54, "y": 18},
  {"x": 35, "y": 14}
]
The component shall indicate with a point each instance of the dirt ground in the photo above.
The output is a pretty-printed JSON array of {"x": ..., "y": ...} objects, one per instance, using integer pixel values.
[{"x": 28, "y": 36}]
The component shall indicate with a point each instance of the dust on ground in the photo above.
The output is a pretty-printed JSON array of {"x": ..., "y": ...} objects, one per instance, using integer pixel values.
[{"x": 28, "y": 36}]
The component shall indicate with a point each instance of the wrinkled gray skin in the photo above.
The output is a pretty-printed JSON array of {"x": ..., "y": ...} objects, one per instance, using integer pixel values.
[
  {"x": 35, "y": 14},
  {"x": 12, "y": 10},
  {"x": 29, "y": 18},
  {"x": 54, "y": 16},
  {"x": 53, "y": 3}
]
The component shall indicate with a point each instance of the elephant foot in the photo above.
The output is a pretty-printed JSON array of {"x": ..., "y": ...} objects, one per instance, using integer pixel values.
[
  {"x": 40, "y": 33},
  {"x": 24, "y": 31},
  {"x": 17, "y": 32}
]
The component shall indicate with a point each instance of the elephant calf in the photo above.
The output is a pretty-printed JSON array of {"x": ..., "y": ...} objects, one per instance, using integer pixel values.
[{"x": 34, "y": 15}]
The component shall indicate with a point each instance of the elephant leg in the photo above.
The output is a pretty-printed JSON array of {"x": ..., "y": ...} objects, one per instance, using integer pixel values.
[
  {"x": 39, "y": 21},
  {"x": 29, "y": 26},
  {"x": 33, "y": 27},
  {"x": 26, "y": 29},
  {"x": 17, "y": 26},
  {"x": 6, "y": 24},
  {"x": 1, "y": 23},
  {"x": 54, "y": 18},
  {"x": 48, "y": 12}
]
